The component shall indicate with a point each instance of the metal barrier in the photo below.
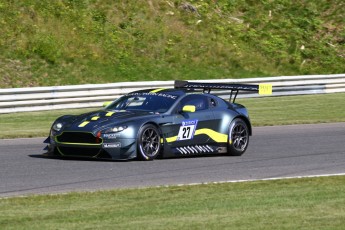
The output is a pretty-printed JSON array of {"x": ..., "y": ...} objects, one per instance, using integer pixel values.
[{"x": 93, "y": 95}]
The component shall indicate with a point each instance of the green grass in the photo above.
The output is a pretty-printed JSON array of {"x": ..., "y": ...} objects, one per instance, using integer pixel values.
[
  {"x": 307, "y": 109},
  {"x": 263, "y": 111},
  {"x": 98, "y": 41},
  {"x": 31, "y": 124},
  {"x": 312, "y": 203}
]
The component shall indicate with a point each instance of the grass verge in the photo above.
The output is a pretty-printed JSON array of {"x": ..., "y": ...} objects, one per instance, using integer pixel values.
[
  {"x": 310, "y": 203},
  {"x": 69, "y": 42},
  {"x": 263, "y": 111},
  {"x": 288, "y": 110}
]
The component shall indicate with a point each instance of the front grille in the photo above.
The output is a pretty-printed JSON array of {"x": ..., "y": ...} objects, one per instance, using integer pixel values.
[
  {"x": 78, "y": 137},
  {"x": 83, "y": 152}
]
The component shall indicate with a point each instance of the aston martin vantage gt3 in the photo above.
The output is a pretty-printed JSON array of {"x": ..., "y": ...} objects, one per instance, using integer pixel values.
[{"x": 185, "y": 120}]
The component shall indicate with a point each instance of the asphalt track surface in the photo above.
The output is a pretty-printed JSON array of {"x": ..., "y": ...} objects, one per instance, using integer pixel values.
[{"x": 279, "y": 151}]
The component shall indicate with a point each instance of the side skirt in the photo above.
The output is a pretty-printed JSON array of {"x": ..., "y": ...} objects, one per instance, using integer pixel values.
[{"x": 194, "y": 150}]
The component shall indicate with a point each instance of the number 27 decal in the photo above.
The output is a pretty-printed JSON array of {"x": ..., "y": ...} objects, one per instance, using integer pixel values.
[{"x": 187, "y": 130}]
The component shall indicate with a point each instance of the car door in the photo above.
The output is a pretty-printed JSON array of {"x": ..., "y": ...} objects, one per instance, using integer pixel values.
[{"x": 192, "y": 129}]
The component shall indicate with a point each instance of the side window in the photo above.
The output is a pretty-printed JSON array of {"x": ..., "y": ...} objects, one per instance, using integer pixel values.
[{"x": 199, "y": 101}]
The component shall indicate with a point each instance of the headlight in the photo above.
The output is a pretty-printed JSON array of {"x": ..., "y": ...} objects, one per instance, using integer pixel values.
[
  {"x": 116, "y": 129},
  {"x": 57, "y": 126}
]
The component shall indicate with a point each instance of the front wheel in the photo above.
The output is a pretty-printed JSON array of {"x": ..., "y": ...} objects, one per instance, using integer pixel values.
[
  {"x": 148, "y": 142},
  {"x": 238, "y": 137}
]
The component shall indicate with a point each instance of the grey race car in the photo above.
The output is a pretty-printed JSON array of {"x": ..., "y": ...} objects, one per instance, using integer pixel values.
[{"x": 146, "y": 124}]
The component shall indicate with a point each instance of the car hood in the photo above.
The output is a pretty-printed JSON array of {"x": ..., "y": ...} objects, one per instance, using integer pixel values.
[{"x": 99, "y": 120}]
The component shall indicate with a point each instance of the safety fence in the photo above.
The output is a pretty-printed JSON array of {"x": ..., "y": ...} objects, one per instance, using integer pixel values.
[{"x": 94, "y": 95}]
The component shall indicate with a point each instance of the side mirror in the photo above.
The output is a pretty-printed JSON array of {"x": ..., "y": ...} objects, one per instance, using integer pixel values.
[
  {"x": 188, "y": 109},
  {"x": 105, "y": 104}
]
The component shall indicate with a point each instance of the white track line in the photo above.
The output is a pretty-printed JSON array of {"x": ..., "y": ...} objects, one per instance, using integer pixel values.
[
  {"x": 264, "y": 179},
  {"x": 191, "y": 184}
]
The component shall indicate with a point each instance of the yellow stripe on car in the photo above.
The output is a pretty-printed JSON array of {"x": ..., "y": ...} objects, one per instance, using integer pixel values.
[
  {"x": 157, "y": 90},
  {"x": 171, "y": 139},
  {"x": 217, "y": 137},
  {"x": 84, "y": 124},
  {"x": 109, "y": 114},
  {"x": 95, "y": 118}
]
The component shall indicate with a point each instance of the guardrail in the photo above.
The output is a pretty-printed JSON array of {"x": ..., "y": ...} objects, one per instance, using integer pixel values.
[{"x": 93, "y": 95}]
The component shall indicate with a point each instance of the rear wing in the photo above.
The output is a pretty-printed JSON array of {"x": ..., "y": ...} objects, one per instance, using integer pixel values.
[{"x": 262, "y": 89}]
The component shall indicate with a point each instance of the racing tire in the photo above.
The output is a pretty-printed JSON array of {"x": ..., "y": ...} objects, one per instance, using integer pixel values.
[
  {"x": 149, "y": 145},
  {"x": 238, "y": 137}
]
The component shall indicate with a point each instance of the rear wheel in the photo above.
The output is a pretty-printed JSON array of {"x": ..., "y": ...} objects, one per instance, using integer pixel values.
[
  {"x": 238, "y": 137},
  {"x": 148, "y": 142}
]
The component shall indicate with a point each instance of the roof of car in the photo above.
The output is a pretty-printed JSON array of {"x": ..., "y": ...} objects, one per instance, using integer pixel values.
[{"x": 171, "y": 91}]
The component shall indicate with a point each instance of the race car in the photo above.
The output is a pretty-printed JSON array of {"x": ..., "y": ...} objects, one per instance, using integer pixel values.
[{"x": 186, "y": 120}]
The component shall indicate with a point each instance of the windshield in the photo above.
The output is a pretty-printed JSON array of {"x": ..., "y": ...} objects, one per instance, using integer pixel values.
[{"x": 151, "y": 102}]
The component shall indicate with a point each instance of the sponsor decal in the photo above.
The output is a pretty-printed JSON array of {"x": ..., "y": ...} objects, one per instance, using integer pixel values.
[
  {"x": 111, "y": 135},
  {"x": 154, "y": 94},
  {"x": 112, "y": 145},
  {"x": 187, "y": 130},
  {"x": 265, "y": 89}
]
